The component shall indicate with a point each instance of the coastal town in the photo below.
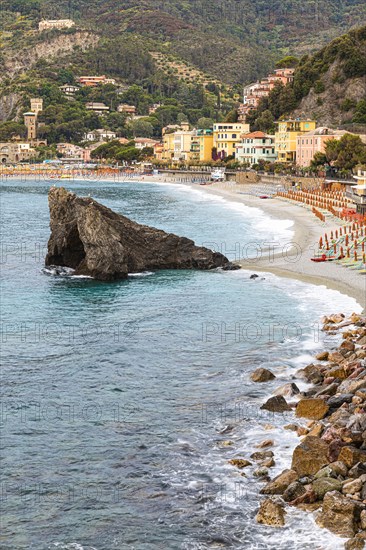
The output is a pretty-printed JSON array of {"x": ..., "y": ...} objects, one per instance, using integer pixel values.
[{"x": 183, "y": 261}]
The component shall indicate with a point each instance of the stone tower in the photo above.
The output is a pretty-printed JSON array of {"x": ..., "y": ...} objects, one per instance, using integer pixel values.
[
  {"x": 30, "y": 121},
  {"x": 36, "y": 105}
]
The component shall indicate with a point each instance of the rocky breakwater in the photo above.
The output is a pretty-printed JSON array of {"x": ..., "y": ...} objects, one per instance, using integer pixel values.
[
  {"x": 328, "y": 471},
  {"x": 95, "y": 241}
]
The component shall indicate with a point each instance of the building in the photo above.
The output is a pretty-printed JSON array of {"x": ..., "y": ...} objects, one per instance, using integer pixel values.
[
  {"x": 100, "y": 135},
  {"x": 14, "y": 152},
  {"x": 47, "y": 24},
  {"x": 130, "y": 110},
  {"x": 69, "y": 89},
  {"x": 253, "y": 93},
  {"x": 158, "y": 150},
  {"x": 141, "y": 143},
  {"x": 182, "y": 143},
  {"x": 70, "y": 151},
  {"x": 310, "y": 143},
  {"x": 202, "y": 145},
  {"x": 286, "y": 137},
  {"x": 99, "y": 108},
  {"x": 225, "y": 137},
  {"x": 30, "y": 121},
  {"x": 168, "y": 145},
  {"x": 357, "y": 193},
  {"x": 254, "y": 147},
  {"x": 93, "y": 81},
  {"x": 36, "y": 105}
]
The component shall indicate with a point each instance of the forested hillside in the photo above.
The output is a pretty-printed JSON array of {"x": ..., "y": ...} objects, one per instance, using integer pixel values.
[
  {"x": 235, "y": 40},
  {"x": 329, "y": 86}
]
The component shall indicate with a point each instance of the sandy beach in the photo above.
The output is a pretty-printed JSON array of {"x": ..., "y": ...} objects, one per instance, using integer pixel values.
[{"x": 294, "y": 260}]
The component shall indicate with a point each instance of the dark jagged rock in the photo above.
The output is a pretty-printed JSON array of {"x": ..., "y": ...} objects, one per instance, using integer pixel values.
[{"x": 93, "y": 240}]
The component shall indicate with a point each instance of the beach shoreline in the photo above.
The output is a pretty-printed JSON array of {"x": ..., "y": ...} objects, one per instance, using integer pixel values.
[{"x": 295, "y": 260}]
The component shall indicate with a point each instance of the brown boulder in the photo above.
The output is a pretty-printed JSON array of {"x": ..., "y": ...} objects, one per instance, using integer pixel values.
[
  {"x": 276, "y": 404},
  {"x": 354, "y": 544},
  {"x": 310, "y": 456},
  {"x": 262, "y": 375},
  {"x": 314, "y": 408},
  {"x": 350, "y": 456},
  {"x": 280, "y": 483},
  {"x": 271, "y": 513},
  {"x": 322, "y": 356},
  {"x": 240, "y": 463},
  {"x": 336, "y": 357},
  {"x": 311, "y": 373},
  {"x": 339, "y": 514},
  {"x": 293, "y": 491}
]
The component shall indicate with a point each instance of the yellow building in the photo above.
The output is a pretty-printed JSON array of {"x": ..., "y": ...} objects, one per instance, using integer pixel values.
[
  {"x": 168, "y": 146},
  {"x": 201, "y": 145},
  {"x": 226, "y": 135},
  {"x": 286, "y": 137}
]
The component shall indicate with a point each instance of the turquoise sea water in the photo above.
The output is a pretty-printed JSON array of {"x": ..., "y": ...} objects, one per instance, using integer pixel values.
[{"x": 118, "y": 399}]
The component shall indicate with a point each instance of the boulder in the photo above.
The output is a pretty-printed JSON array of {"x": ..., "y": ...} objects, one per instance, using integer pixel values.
[
  {"x": 310, "y": 456},
  {"x": 261, "y": 455},
  {"x": 95, "y": 241},
  {"x": 271, "y": 513},
  {"x": 314, "y": 408},
  {"x": 240, "y": 463},
  {"x": 352, "y": 486},
  {"x": 262, "y": 375},
  {"x": 357, "y": 470},
  {"x": 276, "y": 404},
  {"x": 323, "y": 485},
  {"x": 287, "y": 390},
  {"x": 322, "y": 356},
  {"x": 280, "y": 483},
  {"x": 351, "y": 455},
  {"x": 354, "y": 544},
  {"x": 265, "y": 443},
  {"x": 336, "y": 357},
  {"x": 339, "y": 468},
  {"x": 339, "y": 514},
  {"x": 363, "y": 519},
  {"x": 337, "y": 401},
  {"x": 311, "y": 373},
  {"x": 293, "y": 491}
]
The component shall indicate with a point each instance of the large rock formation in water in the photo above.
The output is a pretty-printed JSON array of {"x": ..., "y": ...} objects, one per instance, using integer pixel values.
[{"x": 95, "y": 241}]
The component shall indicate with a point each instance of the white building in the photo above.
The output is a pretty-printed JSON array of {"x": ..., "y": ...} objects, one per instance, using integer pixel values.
[
  {"x": 47, "y": 24},
  {"x": 256, "y": 146},
  {"x": 69, "y": 89},
  {"x": 141, "y": 143},
  {"x": 100, "y": 135},
  {"x": 98, "y": 108}
]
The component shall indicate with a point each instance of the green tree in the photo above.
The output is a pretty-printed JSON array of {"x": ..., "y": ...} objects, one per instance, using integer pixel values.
[
  {"x": 288, "y": 61},
  {"x": 205, "y": 123},
  {"x": 10, "y": 129},
  {"x": 346, "y": 153},
  {"x": 141, "y": 128},
  {"x": 265, "y": 122}
]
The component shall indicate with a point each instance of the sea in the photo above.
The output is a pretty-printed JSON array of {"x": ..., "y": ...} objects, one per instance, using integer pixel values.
[{"x": 122, "y": 403}]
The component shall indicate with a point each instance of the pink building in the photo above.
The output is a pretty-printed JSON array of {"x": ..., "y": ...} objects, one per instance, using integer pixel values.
[{"x": 314, "y": 142}]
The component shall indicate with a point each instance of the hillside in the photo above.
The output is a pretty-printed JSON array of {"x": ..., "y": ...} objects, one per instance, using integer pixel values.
[
  {"x": 234, "y": 40},
  {"x": 189, "y": 59},
  {"x": 329, "y": 86}
]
